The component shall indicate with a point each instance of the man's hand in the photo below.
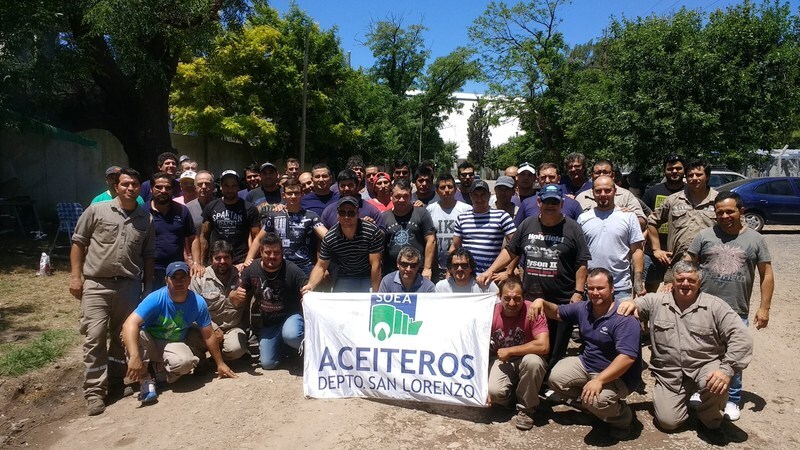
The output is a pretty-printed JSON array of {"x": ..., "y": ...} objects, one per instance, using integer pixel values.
[
  {"x": 76, "y": 287},
  {"x": 591, "y": 391},
  {"x": 627, "y": 308},
  {"x": 418, "y": 204},
  {"x": 247, "y": 262},
  {"x": 427, "y": 273},
  {"x": 717, "y": 382},
  {"x": 238, "y": 295},
  {"x": 135, "y": 368},
  {"x": 223, "y": 371},
  {"x": 536, "y": 309},
  {"x": 484, "y": 278},
  {"x": 239, "y": 267},
  {"x": 306, "y": 289},
  {"x": 762, "y": 318},
  {"x": 499, "y": 277},
  {"x": 664, "y": 257},
  {"x": 368, "y": 219},
  {"x": 197, "y": 270},
  {"x": 503, "y": 354},
  {"x": 666, "y": 287},
  {"x": 576, "y": 297}
]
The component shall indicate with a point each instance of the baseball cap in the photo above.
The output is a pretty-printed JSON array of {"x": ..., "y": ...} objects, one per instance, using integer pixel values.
[
  {"x": 526, "y": 167},
  {"x": 550, "y": 191},
  {"x": 188, "y": 174},
  {"x": 229, "y": 173},
  {"x": 504, "y": 181},
  {"x": 267, "y": 165},
  {"x": 176, "y": 266},
  {"x": 112, "y": 170},
  {"x": 347, "y": 200},
  {"x": 479, "y": 184}
]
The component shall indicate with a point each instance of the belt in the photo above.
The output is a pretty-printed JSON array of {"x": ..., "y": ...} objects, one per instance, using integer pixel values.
[{"x": 109, "y": 278}]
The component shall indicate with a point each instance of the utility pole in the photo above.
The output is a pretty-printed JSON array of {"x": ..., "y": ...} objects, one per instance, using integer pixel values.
[{"x": 305, "y": 103}]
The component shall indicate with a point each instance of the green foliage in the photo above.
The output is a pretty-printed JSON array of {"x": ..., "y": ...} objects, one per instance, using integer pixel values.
[
  {"x": 478, "y": 134},
  {"x": 399, "y": 52},
  {"x": 18, "y": 359},
  {"x": 446, "y": 156}
]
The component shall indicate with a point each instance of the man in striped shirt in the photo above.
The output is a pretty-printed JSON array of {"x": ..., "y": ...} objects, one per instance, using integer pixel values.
[{"x": 482, "y": 230}]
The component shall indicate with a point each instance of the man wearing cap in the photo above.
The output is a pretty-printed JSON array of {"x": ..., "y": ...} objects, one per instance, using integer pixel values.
[
  {"x": 187, "y": 164},
  {"x": 382, "y": 190},
  {"x": 526, "y": 177},
  {"x": 355, "y": 246},
  {"x": 112, "y": 174},
  {"x": 503, "y": 193},
  {"x": 466, "y": 175},
  {"x": 576, "y": 181},
  {"x": 425, "y": 193},
  {"x": 407, "y": 225},
  {"x": 554, "y": 257},
  {"x": 270, "y": 191},
  {"x": 188, "y": 188},
  {"x": 167, "y": 163},
  {"x": 623, "y": 198},
  {"x": 228, "y": 218},
  {"x": 111, "y": 258},
  {"x": 548, "y": 174},
  {"x": 321, "y": 195},
  {"x": 407, "y": 277},
  {"x": 483, "y": 230},
  {"x": 348, "y": 186},
  {"x": 444, "y": 214},
  {"x": 157, "y": 332},
  {"x": 173, "y": 225}
]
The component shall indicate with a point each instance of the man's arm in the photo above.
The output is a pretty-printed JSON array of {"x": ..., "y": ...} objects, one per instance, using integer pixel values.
[
  {"x": 200, "y": 248},
  {"x": 637, "y": 257},
  {"x": 540, "y": 345},
  {"x": 255, "y": 245},
  {"x": 455, "y": 244},
  {"x": 580, "y": 282},
  {"x": 317, "y": 273},
  {"x": 616, "y": 369},
  {"x": 430, "y": 248},
  {"x": 500, "y": 263},
  {"x": 130, "y": 337},
  {"x": 540, "y": 306},
  {"x": 77, "y": 255},
  {"x": 149, "y": 269},
  {"x": 767, "y": 285},
  {"x": 375, "y": 270},
  {"x": 210, "y": 338},
  {"x": 655, "y": 220}
]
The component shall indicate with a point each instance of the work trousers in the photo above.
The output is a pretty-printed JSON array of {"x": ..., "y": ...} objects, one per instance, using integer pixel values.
[
  {"x": 522, "y": 376},
  {"x": 177, "y": 358},
  {"x": 671, "y": 408}
]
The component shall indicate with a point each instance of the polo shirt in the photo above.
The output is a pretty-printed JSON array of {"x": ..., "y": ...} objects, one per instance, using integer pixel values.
[
  {"x": 147, "y": 193},
  {"x": 258, "y": 196},
  {"x": 392, "y": 283},
  {"x": 172, "y": 229},
  {"x": 317, "y": 203},
  {"x": 351, "y": 256},
  {"x": 567, "y": 187},
  {"x": 530, "y": 208}
]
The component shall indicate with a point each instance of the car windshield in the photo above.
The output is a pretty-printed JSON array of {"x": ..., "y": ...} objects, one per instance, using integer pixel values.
[{"x": 731, "y": 186}]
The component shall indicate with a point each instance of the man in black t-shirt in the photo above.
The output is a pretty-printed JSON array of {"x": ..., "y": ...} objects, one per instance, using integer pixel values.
[
  {"x": 408, "y": 225},
  {"x": 270, "y": 191},
  {"x": 274, "y": 286}
]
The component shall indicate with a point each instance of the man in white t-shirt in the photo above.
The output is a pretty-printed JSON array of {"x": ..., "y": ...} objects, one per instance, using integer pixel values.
[
  {"x": 461, "y": 271},
  {"x": 444, "y": 214}
]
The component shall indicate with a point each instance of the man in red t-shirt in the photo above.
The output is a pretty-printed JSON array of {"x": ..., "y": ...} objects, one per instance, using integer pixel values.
[{"x": 518, "y": 347}]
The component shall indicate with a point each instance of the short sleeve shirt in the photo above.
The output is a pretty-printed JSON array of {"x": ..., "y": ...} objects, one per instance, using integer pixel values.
[
  {"x": 296, "y": 230},
  {"x": 231, "y": 223},
  {"x": 402, "y": 231},
  {"x": 512, "y": 331},
  {"x": 172, "y": 229},
  {"x": 483, "y": 234},
  {"x": 276, "y": 294},
  {"x": 444, "y": 221},
  {"x": 168, "y": 320},
  {"x": 351, "y": 256}
]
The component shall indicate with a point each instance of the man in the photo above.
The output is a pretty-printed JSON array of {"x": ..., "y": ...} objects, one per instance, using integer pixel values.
[
  {"x": 615, "y": 240},
  {"x": 186, "y": 164},
  {"x": 461, "y": 268},
  {"x": 306, "y": 182},
  {"x": 157, "y": 330},
  {"x": 698, "y": 344},
  {"x": 576, "y": 181},
  {"x": 610, "y": 366},
  {"x": 368, "y": 191},
  {"x": 173, "y": 226},
  {"x": 355, "y": 246},
  {"x": 517, "y": 350},
  {"x": 112, "y": 174},
  {"x": 548, "y": 174},
  {"x": 483, "y": 230},
  {"x": 348, "y": 186},
  {"x": 728, "y": 254},
  {"x": 407, "y": 225},
  {"x": 218, "y": 287},
  {"x": 111, "y": 258},
  {"x": 511, "y": 171},
  {"x": 167, "y": 163},
  {"x": 356, "y": 164},
  {"x": 382, "y": 190},
  {"x": 274, "y": 285},
  {"x": 623, "y": 198},
  {"x": 188, "y": 187},
  {"x": 229, "y": 219},
  {"x": 252, "y": 180},
  {"x": 686, "y": 213},
  {"x": 292, "y": 168},
  {"x": 321, "y": 195},
  {"x": 425, "y": 193},
  {"x": 503, "y": 193},
  {"x": 407, "y": 277},
  {"x": 270, "y": 191},
  {"x": 674, "y": 171},
  {"x": 554, "y": 259},
  {"x": 466, "y": 175},
  {"x": 401, "y": 169},
  {"x": 444, "y": 214},
  {"x": 526, "y": 177},
  {"x": 300, "y": 230},
  {"x": 204, "y": 184}
]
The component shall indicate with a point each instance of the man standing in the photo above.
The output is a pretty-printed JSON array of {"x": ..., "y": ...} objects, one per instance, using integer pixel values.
[
  {"x": 204, "y": 183},
  {"x": 408, "y": 225},
  {"x": 425, "y": 193},
  {"x": 623, "y": 198},
  {"x": 218, "y": 287},
  {"x": 274, "y": 285},
  {"x": 401, "y": 169},
  {"x": 576, "y": 181},
  {"x": 306, "y": 182},
  {"x": 382, "y": 190},
  {"x": 348, "y": 186},
  {"x": 407, "y": 277},
  {"x": 252, "y": 180},
  {"x": 686, "y": 213},
  {"x": 368, "y": 192},
  {"x": 728, "y": 254},
  {"x": 518, "y": 346},
  {"x": 466, "y": 175},
  {"x": 167, "y": 163},
  {"x": 444, "y": 214},
  {"x": 526, "y": 177},
  {"x": 548, "y": 174},
  {"x": 228, "y": 218},
  {"x": 355, "y": 246},
  {"x": 188, "y": 187},
  {"x": 270, "y": 191},
  {"x": 173, "y": 226},
  {"x": 111, "y": 257},
  {"x": 356, "y": 164},
  {"x": 112, "y": 174},
  {"x": 674, "y": 171},
  {"x": 610, "y": 366},
  {"x": 321, "y": 195},
  {"x": 503, "y": 194},
  {"x": 292, "y": 168},
  {"x": 615, "y": 240},
  {"x": 461, "y": 268},
  {"x": 698, "y": 344}
]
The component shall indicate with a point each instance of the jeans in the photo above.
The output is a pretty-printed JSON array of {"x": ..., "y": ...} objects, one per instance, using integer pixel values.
[
  {"x": 735, "y": 388},
  {"x": 351, "y": 284},
  {"x": 273, "y": 340},
  {"x": 622, "y": 295}
]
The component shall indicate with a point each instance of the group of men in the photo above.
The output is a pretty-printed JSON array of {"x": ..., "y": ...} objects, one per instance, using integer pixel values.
[{"x": 574, "y": 251}]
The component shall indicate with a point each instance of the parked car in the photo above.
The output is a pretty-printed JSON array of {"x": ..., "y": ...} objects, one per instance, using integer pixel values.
[
  {"x": 774, "y": 201},
  {"x": 720, "y": 177}
]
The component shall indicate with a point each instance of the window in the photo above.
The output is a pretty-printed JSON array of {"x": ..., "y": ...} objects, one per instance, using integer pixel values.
[{"x": 780, "y": 187}]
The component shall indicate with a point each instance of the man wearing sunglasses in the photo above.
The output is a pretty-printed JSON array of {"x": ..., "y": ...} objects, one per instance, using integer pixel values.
[
  {"x": 466, "y": 175},
  {"x": 407, "y": 277},
  {"x": 461, "y": 267}
]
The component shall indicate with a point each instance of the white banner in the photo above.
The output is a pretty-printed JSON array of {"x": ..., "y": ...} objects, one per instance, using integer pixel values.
[{"x": 422, "y": 347}]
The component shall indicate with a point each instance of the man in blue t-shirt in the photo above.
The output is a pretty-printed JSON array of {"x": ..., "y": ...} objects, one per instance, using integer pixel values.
[{"x": 157, "y": 332}]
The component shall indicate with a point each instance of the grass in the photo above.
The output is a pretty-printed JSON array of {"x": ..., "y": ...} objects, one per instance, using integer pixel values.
[{"x": 20, "y": 358}]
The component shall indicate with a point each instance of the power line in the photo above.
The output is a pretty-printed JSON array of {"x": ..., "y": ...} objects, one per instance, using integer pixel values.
[
  {"x": 670, "y": 6},
  {"x": 654, "y": 6},
  {"x": 712, "y": 4}
]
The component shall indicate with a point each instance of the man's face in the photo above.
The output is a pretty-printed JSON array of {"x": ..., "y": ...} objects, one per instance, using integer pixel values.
[
  {"x": 408, "y": 268},
  {"x": 511, "y": 300},
  {"x": 128, "y": 187},
  {"x": 189, "y": 165},
  {"x": 674, "y": 172},
  {"x": 322, "y": 179},
  {"x": 550, "y": 208},
  {"x": 525, "y": 180},
  {"x": 293, "y": 169},
  {"x": 602, "y": 169},
  {"x": 503, "y": 194},
  {"x": 269, "y": 178},
  {"x": 576, "y": 171},
  {"x": 383, "y": 186},
  {"x": 446, "y": 189},
  {"x": 170, "y": 167},
  {"x": 271, "y": 257},
  {"x": 686, "y": 286},
  {"x": 230, "y": 188},
  {"x": 424, "y": 185},
  {"x": 205, "y": 185},
  {"x": 460, "y": 270},
  {"x": 549, "y": 176},
  {"x": 604, "y": 190},
  {"x": 306, "y": 182},
  {"x": 348, "y": 215},
  {"x": 359, "y": 173},
  {"x": 253, "y": 179},
  {"x": 729, "y": 217},
  {"x": 466, "y": 176},
  {"x": 370, "y": 171},
  {"x": 188, "y": 186},
  {"x": 511, "y": 171},
  {"x": 598, "y": 290},
  {"x": 348, "y": 187},
  {"x": 480, "y": 200},
  {"x": 696, "y": 178},
  {"x": 221, "y": 262},
  {"x": 292, "y": 196},
  {"x": 401, "y": 199},
  {"x": 401, "y": 172},
  {"x": 178, "y": 283},
  {"x": 161, "y": 191}
]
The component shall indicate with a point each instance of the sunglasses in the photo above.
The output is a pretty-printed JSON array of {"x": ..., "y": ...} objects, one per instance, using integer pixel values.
[
  {"x": 348, "y": 213},
  {"x": 407, "y": 265},
  {"x": 455, "y": 266}
]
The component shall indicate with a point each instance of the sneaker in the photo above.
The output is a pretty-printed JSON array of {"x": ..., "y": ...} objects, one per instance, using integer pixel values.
[
  {"x": 732, "y": 412},
  {"x": 148, "y": 393},
  {"x": 694, "y": 401},
  {"x": 524, "y": 421},
  {"x": 551, "y": 396},
  {"x": 95, "y": 406}
]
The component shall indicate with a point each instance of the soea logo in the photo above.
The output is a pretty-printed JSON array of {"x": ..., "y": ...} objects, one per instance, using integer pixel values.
[{"x": 393, "y": 314}]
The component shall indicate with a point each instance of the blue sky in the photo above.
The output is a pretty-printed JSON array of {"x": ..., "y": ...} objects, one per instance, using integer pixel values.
[{"x": 447, "y": 20}]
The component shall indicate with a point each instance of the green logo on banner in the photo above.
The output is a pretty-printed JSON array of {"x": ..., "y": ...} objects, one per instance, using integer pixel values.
[{"x": 387, "y": 320}]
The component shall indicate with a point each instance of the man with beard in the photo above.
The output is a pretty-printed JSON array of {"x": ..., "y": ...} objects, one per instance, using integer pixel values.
[
  {"x": 623, "y": 198},
  {"x": 168, "y": 164},
  {"x": 576, "y": 181},
  {"x": 425, "y": 193},
  {"x": 548, "y": 174},
  {"x": 461, "y": 268},
  {"x": 408, "y": 225},
  {"x": 444, "y": 214},
  {"x": 174, "y": 228},
  {"x": 252, "y": 180},
  {"x": 466, "y": 175},
  {"x": 274, "y": 284},
  {"x": 112, "y": 174},
  {"x": 270, "y": 191}
]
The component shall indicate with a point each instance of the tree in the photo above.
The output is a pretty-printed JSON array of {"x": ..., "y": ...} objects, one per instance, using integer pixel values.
[
  {"x": 446, "y": 157},
  {"x": 478, "y": 134},
  {"x": 399, "y": 52}
]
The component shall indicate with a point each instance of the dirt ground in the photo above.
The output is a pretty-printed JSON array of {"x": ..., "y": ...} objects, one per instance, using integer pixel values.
[{"x": 267, "y": 409}]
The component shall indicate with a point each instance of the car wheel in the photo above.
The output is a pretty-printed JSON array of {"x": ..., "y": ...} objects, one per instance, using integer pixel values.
[{"x": 754, "y": 220}]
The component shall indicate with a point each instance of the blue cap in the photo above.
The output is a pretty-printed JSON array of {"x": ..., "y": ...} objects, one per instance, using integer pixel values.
[
  {"x": 176, "y": 266},
  {"x": 550, "y": 191}
]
